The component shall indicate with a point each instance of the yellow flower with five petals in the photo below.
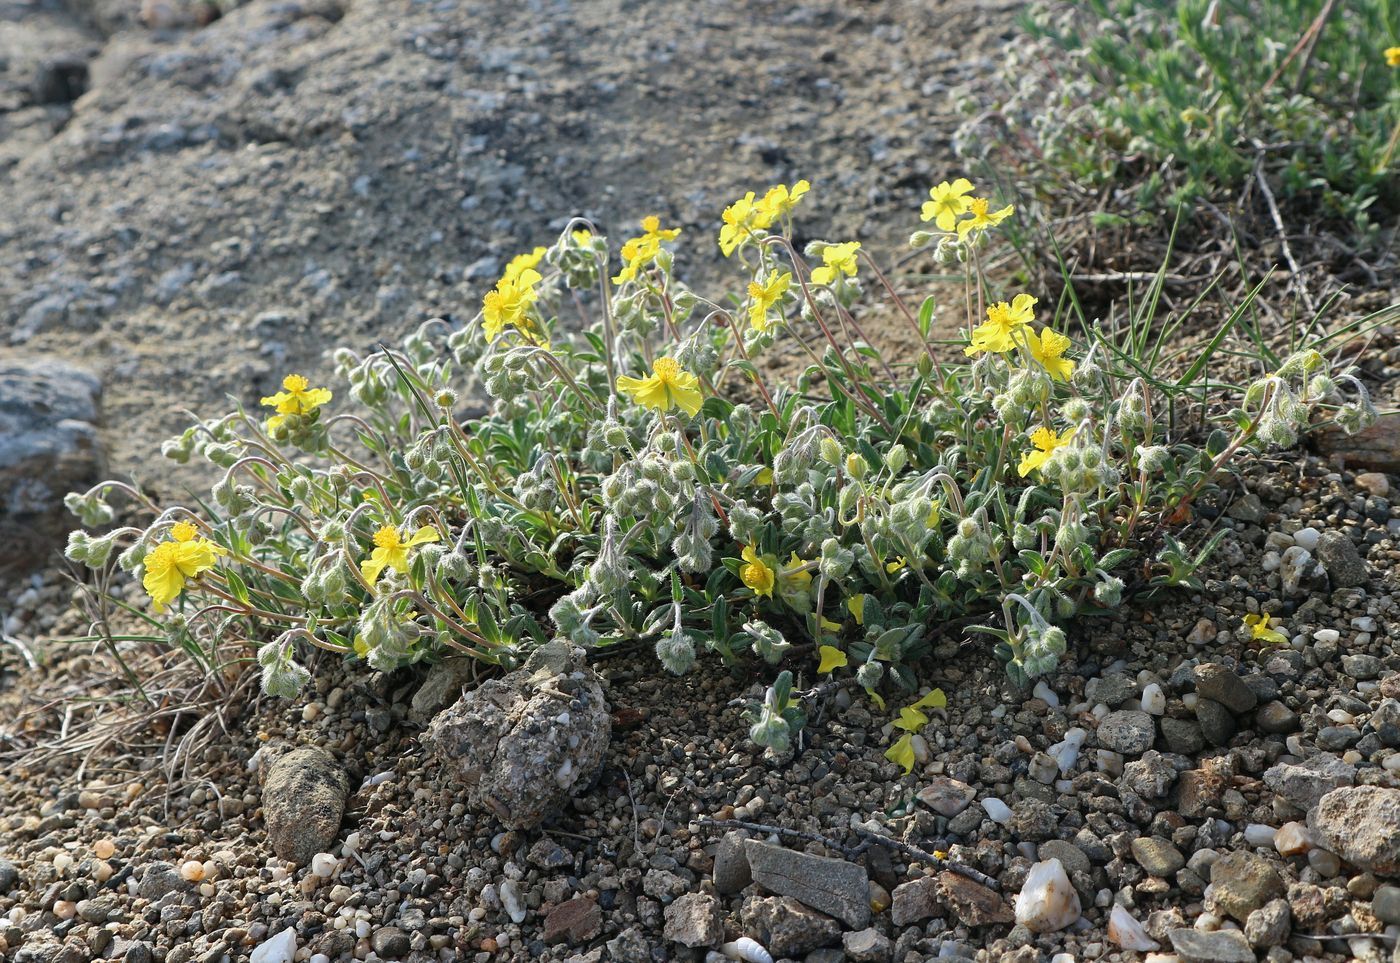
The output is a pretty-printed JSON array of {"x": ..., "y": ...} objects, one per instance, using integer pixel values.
[
  {"x": 756, "y": 573},
  {"x": 641, "y": 250},
  {"x": 982, "y": 218},
  {"x": 1260, "y": 631},
  {"x": 947, "y": 202},
  {"x": 763, "y": 296},
  {"x": 837, "y": 259},
  {"x": 779, "y": 202},
  {"x": 297, "y": 397},
  {"x": 668, "y": 386},
  {"x": 1048, "y": 350},
  {"x": 507, "y": 304},
  {"x": 391, "y": 550},
  {"x": 998, "y": 334},
  {"x": 1045, "y": 440},
  {"x": 173, "y": 564},
  {"x": 523, "y": 262}
]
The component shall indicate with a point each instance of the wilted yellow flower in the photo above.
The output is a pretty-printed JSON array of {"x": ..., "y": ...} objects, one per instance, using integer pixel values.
[
  {"x": 756, "y": 573},
  {"x": 947, "y": 202},
  {"x": 934, "y": 700},
  {"x": 506, "y": 306},
  {"x": 856, "y": 606},
  {"x": 837, "y": 259},
  {"x": 763, "y": 296},
  {"x": 297, "y": 397},
  {"x": 522, "y": 263},
  {"x": 391, "y": 550},
  {"x": 1392, "y": 56},
  {"x": 583, "y": 237},
  {"x": 910, "y": 719},
  {"x": 1259, "y": 629},
  {"x": 902, "y": 753},
  {"x": 641, "y": 250},
  {"x": 1045, "y": 441},
  {"x": 668, "y": 386},
  {"x": 795, "y": 577},
  {"x": 1048, "y": 350},
  {"x": 779, "y": 202},
  {"x": 831, "y": 658},
  {"x": 998, "y": 333},
  {"x": 981, "y": 218},
  {"x": 170, "y": 565}
]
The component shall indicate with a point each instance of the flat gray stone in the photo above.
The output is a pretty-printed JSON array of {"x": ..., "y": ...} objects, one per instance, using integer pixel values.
[
  {"x": 1127, "y": 731},
  {"x": 1220, "y": 946},
  {"x": 833, "y": 886}
]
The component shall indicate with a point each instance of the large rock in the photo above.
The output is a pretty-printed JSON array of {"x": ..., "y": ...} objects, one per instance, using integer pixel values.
[
  {"x": 834, "y": 886},
  {"x": 519, "y": 745},
  {"x": 48, "y": 448},
  {"x": 1361, "y": 824},
  {"x": 1344, "y": 564},
  {"x": 1242, "y": 882},
  {"x": 971, "y": 902},
  {"x": 1305, "y": 783},
  {"x": 787, "y": 927},
  {"x": 1217, "y": 682},
  {"x": 303, "y": 801},
  {"x": 1127, "y": 731},
  {"x": 1376, "y": 448}
]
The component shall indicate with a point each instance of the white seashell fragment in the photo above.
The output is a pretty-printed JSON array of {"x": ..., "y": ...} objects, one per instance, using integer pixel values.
[{"x": 748, "y": 950}]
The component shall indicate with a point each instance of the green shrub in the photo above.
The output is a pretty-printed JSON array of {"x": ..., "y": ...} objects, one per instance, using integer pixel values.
[
  {"x": 638, "y": 481},
  {"x": 1182, "y": 99}
]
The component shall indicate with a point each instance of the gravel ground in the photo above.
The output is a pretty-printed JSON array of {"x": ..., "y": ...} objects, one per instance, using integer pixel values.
[{"x": 225, "y": 203}]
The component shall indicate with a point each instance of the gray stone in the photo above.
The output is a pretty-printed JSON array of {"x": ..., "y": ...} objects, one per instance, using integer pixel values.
[
  {"x": 521, "y": 744},
  {"x": 9, "y": 876},
  {"x": 1242, "y": 882},
  {"x": 1385, "y": 904},
  {"x": 1112, "y": 690},
  {"x": 1344, "y": 565},
  {"x": 1276, "y": 718},
  {"x": 1362, "y": 667},
  {"x": 1127, "y": 731},
  {"x": 1361, "y": 824},
  {"x": 1376, "y": 447},
  {"x": 1183, "y": 736},
  {"x": 1247, "y": 508},
  {"x": 1218, "y": 946},
  {"x": 1071, "y": 857},
  {"x": 867, "y": 946},
  {"x": 970, "y": 902},
  {"x": 1338, "y": 738},
  {"x": 1269, "y": 924},
  {"x": 390, "y": 942},
  {"x": 1306, "y": 782},
  {"x": 786, "y": 927},
  {"x": 1215, "y": 681},
  {"x": 441, "y": 687},
  {"x": 303, "y": 801},
  {"x": 695, "y": 919},
  {"x": 1151, "y": 777},
  {"x": 49, "y": 447},
  {"x": 1158, "y": 856},
  {"x": 946, "y": 796},
  {"x": 158, "y": 879},
  {"x": 731, "y": 872},
  {"x": 833, "y": 886},
  {"x": 915, "y": 900},
  {"x": 1217, "y": 725}
]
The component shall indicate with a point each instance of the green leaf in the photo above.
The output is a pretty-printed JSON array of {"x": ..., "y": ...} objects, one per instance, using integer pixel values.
[{"x": 926, "y": 315}]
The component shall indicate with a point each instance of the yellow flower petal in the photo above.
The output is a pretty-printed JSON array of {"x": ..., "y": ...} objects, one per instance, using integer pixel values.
[
  {"x": 911, "y": 719},
  {"x": 902, "y": 753},
  {"x": 831, "y": 658},
  {"x": 934, "y": 700},
  {"x": 856, "y": 606}
]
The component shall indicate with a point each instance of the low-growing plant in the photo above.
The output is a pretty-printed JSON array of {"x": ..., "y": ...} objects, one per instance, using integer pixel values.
[
  {"x": 640, "y": 481},
  {"x": 1187, "y": 99}
]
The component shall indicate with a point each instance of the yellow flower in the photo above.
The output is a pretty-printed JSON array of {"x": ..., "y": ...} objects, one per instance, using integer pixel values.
[
  {"x": 523, "y": 262},
  {"x": 641, "y": 250},
  {"x": 899, "y": 562},
  {"x": 998, "y": 333},
  {"x": 981, "y": 219},
  {"x": 856, "y": 606},
  {"x": 1392, "y": 56},
  {"x": 583, "y": 237},
  {"x": 1049, "y": 350},
  {"x": 902, "y": 753},
  {"x": 947, "y": 202},
  {"x": 391, "y": 550},
  {"x": 911, "y": 719},
  {"x": 837, "y": 259},
  {"x": 795, "y": 578},
  {"x": 741, "y": 219},
  {"x": 756, "y": 573},
  {"x": 506, "y": 305},
  {"x": 779, "y": 202},
  {"x": 934, "y": 700},
  {"x": 764, "y": 296},
  {"x": 297, "y": 397},
  {"x": 1259, "y": 629},
  {"x": 876, "y": 698},
  {"x": 832, "y": 658},
  {"x": 1045, "y": 441},
  {"x": 669, "y": 386},
  {"x": 170, "y": 565}
]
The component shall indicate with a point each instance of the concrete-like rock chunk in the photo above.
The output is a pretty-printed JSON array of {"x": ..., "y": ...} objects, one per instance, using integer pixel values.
[
  {"x": 834, "y": 886},
  {"x": 520, "y": 744},
  {"x": 1361, "y": 824},
  {"x": 303, "y": 801}
]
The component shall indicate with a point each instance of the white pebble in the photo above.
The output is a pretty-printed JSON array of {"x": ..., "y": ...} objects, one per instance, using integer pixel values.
[
  {"x": 513, "y": 901},
  {"x": 323, "y": 865},
  {"x": 362, "y": 928},
  {"x": 1364, "y": 623},
  {"x": 1189, "y": 700},
  {"x": 1127, "y": 932},
  {"x": 352, "y": 843},
  {"x": 319, "y": 958},
  {"x": 281, "y": 948},
  {"x": 997, "y": 811},
  {"x": 1154, "y": 700},
  {"x": 1046, "y": 694},
  {"x": 63, "y": 862},
  {"x": 65, "y": 909},
  {"x": 192, "y": 871},
  {"x": 1257, "y": 834},
  {"x": 1327, "y": 635},
  {"x": 1307, "y": 538}
]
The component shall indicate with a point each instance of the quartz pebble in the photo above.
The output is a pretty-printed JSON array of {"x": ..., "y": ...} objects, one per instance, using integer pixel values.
[
  {"x": 1047, "y": 901},
  {"x": 323, "y": 865},
  {"x": 1127, "y": 932}
]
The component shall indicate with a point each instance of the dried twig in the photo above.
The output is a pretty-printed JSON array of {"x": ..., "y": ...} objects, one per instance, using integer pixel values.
[{"x": 1297, "y": 273}]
